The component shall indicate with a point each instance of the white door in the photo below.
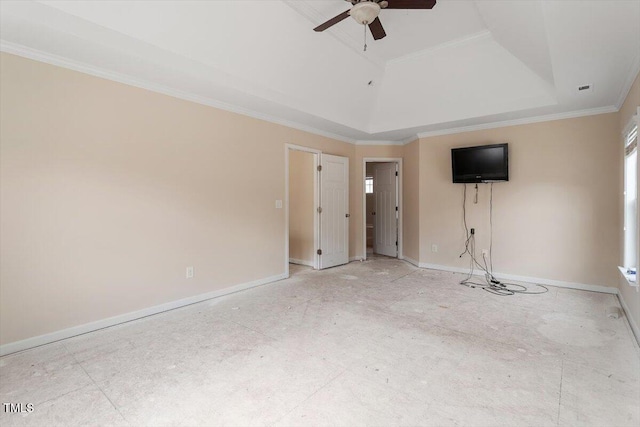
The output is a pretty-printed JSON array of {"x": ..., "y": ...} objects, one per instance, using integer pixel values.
[
  {"x": 334, "y": 216},
  {"x": 386, "y": 218}
]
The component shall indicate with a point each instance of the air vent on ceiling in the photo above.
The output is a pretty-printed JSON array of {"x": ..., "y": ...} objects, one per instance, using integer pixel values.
[{"x": 585, "y": 88}]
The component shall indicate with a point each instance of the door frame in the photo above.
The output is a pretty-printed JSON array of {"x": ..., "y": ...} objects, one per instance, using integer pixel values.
[
  {"x": 398, "y": 161},
  {"x": 316, "y": 202}
]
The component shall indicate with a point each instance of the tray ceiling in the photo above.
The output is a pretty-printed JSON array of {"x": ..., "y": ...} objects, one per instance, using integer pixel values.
[{"x": 464, "y": 63}]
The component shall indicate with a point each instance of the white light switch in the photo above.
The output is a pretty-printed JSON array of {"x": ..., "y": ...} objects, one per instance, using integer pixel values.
[{"x": 278, "y": 204}]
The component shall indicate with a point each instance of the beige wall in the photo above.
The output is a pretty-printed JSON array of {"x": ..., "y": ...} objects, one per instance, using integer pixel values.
[
  {"x": 108, "y": 192},
  {"x": 630, "y": 107},
  {"x": 558, "y": 216},
  {"x": 411, "y": 201},
  {"x": 301, "y": 206}
]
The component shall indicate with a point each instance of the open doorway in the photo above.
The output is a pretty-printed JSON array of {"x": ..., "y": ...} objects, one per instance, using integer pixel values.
[
  {"x": 302, "y": 201},
  {"x": 382, "y": 207},
  {"x": 316, "y": 234}
]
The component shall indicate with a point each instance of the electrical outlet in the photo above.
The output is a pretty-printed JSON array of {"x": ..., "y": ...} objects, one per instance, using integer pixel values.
[
  {"x": 434, "y": 248},
  {"x": 189, "y": 272}
]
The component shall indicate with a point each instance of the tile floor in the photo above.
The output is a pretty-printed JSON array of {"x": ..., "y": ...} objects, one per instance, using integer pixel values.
[{"x": 373, "y": 343}]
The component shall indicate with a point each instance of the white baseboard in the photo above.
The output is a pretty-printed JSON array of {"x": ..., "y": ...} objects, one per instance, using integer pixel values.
[
  {"x": 557, "y": 283},
  {"x": 411, "y": 261},
  {"x": 550, "y": 282},
  {"x": 301, "y": 262},
  {"x": 127, "y": 317},
  {"x": 356, "y": 258},
  {"x": 632, "y": 323}
]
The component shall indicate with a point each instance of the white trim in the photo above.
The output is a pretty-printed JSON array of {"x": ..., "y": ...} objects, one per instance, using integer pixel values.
[
  {"x": 627, "y": 277},
  {"x": 302, "y": 148},
  {"x": 634, "y": 328},
  {"x": 557, "y": 283},
  {"x": 523, "y": 121},
  {"x": 316, "y": 203},
  {"x": 301, "y": 262},
  {"x": 380, "y": 142},
  {"x": 356, "y": 258},
  {"x": 286, "y": 210},
  {"x": 410, "y": 139},
  {"x": 128, "y": 317},
  {"x": 59, "y": 61},
  {"x": 634, "y": 69},
  {"x": 411, "y": 261},
  {"x": 538, "y": 280}
]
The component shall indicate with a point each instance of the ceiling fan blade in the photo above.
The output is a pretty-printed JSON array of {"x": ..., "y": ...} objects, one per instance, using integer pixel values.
[
  {"x": 332, "y": 21},
  {"x": 377, "y": 30},
  {"x": 411, "y": 4}
]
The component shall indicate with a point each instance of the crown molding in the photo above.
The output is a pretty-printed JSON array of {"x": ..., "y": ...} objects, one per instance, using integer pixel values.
[
  {"x": 59, "y": 61},
  {"x": 634, "y": 70},
  {"x": 523, "y": 121},
  {"x": 404, "y": 141},
  {"x": 378, "y": 142},
  {"x": 410, "y": 139}
]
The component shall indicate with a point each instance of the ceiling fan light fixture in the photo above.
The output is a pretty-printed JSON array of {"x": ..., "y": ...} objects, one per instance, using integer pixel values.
[{"x": 365, "y": 12}]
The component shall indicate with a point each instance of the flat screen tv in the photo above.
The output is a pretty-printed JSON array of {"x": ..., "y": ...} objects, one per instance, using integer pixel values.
[{"x": 484, "y": 163}]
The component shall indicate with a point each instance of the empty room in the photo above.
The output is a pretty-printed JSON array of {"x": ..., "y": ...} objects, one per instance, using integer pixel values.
[{"x": 319, "y": 213}]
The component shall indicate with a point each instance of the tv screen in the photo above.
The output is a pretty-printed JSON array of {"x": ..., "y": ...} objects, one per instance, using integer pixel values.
[{"x": 485, "y": 163}]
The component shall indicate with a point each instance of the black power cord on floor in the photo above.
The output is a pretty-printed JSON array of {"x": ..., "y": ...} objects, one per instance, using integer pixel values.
[{"x": 490, "y": 284}]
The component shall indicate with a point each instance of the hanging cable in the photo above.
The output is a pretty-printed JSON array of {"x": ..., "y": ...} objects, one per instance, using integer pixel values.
[
  {"x": 491, "y": 228},
  {"x": 464, "y": 210},
  {"x": 490, "y": 284},
  {"x": 469, "y": 243}
]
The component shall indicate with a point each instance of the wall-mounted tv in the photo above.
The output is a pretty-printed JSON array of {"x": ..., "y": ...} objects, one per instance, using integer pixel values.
[{"x": 484, "y": 163}]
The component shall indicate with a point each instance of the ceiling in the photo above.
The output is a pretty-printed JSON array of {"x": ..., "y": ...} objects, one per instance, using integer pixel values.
[{"x": 460, "y": 66}]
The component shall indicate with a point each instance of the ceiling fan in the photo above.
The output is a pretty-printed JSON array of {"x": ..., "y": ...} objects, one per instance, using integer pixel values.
[{"x": 366, "y": 12}]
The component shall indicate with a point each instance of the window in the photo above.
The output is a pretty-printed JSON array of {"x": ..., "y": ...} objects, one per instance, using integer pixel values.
[
  {"x": 631, "y": 196},
  {"x": 368, "y": 185}
]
